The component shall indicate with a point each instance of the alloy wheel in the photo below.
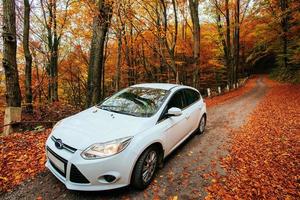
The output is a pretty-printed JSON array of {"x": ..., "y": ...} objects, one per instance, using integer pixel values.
[
  {"x": 149, "y": 166},
  {"x": 202, "y": 124}
]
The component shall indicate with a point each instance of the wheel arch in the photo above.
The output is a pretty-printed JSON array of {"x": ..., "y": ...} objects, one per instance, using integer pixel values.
[
  {"x": 156, "y": 144},
  {"x": 201, "y": 115}
]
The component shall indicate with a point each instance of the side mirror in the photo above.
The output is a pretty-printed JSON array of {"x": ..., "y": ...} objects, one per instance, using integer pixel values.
[{"x": 174, "y": 112}]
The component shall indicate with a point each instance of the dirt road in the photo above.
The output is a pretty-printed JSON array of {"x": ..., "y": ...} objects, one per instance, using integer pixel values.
[{"x": 184, "y": 172}]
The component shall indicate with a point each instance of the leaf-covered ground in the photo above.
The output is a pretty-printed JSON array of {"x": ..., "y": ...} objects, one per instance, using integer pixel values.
[
  {"x": 264, "y": 158},
  {"x": 232, "y": 94},
  {"x": 22, "y": 156}
]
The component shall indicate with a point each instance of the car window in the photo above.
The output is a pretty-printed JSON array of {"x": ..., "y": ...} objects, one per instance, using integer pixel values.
[
  {"x": 191, "y": 96},
  {"x": 136, "y": 101},
  {"x": 177, "y": 100}
]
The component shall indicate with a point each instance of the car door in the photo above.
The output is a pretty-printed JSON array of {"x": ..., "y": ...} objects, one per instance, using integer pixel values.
[
  {"x": 175, "y": 128},
  {"x": 192, "y": 108}
]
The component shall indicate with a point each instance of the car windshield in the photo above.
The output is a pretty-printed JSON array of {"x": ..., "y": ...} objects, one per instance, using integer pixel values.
[{"x": 136, "y": 101}]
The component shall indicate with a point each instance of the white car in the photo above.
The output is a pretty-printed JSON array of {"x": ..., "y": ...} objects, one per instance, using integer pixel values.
[{"x": 124, "y": 139}]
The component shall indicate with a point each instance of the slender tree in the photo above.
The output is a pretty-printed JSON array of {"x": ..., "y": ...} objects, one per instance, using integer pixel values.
[
  {"x": 225, "y": 36},
  {"x": 194, "y": 4},
  {"x": 284, "y": 22},
  {"x": 28, "y": 57},
  {"x": 236, "y": 41},
  {"x": 53, "y": 40},
  {"x": 170, "y": 46},
  {"x": 101, "y": 23},
  {"x": 120, "y": 28},
  {"x": 54, "y": 34},
  {"x": 128, "y": 40}
]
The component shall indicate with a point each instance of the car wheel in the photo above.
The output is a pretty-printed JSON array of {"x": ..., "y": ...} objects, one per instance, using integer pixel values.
[
  {"x": 145, "y": 168},
  {"x": 202, "y": 124}
]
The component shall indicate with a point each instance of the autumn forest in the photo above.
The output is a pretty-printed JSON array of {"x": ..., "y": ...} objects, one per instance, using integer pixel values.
[
  {"x": 81, "y": 51},
  {"x": 59, "y": 57}
]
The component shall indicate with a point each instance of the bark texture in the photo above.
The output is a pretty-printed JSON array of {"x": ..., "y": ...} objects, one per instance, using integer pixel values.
[
  {"x": 119, "y": 60},
  {"x": 28, "y": 57},
  {"x": 194, "y": 4},
  {"x": 13, "y": 93},
  {"x": 53, "y": 41},
  {"x": 101, "y": 23},
  {"x": 225, "y": 36},
  {"x": 284, "y": 22},
  {"x": 236, "y": 41},
  {"x": 227, "y": 52}
]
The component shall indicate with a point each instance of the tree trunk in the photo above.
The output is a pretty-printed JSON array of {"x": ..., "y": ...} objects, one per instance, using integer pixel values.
[
  {"x": 100, "y": 27},
  {"x": 120, "y": 29},
  {"x": 119, "y": 57},
  {"x": 223, "y": 40},
  {"x": 103, "y": 68},
  {"x": 54, "y": 56},
  {"x": 53, "y": 44},
  {"x": 236, "y": 41},
  {"x": 183, "y": 25},
  {"x": 170, "y": 47},
  {"x": 54, "y": 71},
  {"x": 132, "y": 56},
  {"x": 28, "y": 58},
  {"x": 128, "y": 58},
  {"x": 193, "y": 4},
  {"x": 38, "y": 79},
  {"x": 285, "y": 27},
  {"x": 228, "y": 44},
  {"x": 40, "y": 83},
  {"x": 13, "y": 93}
]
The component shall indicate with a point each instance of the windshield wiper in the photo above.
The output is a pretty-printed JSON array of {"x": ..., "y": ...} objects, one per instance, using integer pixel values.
[
  {"x": 131, "y": 114},
  {"x": 116, "y": 111},
  {"x": 107, "y": 106}
]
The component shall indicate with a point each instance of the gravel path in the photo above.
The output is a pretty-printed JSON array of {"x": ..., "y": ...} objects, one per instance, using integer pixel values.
[{"x": 184, "y": 172}]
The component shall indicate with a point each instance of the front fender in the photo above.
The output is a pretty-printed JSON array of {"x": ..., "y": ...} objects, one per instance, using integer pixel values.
[{"x": 139, "y": 146}]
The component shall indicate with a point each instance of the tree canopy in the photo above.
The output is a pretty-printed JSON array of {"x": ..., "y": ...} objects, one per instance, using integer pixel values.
[{"x": 81, "y": 51}]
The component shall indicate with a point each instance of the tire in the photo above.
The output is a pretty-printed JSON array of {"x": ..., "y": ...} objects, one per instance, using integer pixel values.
[
  {"x": 202, "y": 124},
  {"x": 139, "y": 181}
]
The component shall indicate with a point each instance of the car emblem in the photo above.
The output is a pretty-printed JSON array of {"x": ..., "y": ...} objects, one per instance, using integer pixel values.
[{"x": 59, "y": 144}]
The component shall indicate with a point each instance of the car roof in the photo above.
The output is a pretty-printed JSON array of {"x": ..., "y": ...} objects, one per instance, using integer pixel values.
[{"x": 164, "y": 86}]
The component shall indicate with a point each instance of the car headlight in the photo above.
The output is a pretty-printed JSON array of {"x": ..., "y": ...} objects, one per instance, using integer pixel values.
[{"x": 103, "y": 150}]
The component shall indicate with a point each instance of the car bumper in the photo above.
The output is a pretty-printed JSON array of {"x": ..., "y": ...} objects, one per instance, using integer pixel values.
[{"x": 88, "y": 175}]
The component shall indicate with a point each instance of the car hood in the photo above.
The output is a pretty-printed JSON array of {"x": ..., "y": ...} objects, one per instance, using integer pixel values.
[{"x": 95, "y": 125}]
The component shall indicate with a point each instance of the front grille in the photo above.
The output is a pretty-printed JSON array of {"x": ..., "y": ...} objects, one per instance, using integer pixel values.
[
  {"x": 59, "y": 158},
  {"x": 76, "y": 176},
  {"x": 65, "y": 146}
]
